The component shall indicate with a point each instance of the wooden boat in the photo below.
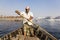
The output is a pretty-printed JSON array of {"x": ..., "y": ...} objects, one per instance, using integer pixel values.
[{"x": 39, "y": 34}]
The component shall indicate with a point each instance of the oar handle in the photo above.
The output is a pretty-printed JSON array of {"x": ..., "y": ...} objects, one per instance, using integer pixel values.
[
  {"x": 17, "y": 12},
  {"x": 20, "y": 14}
]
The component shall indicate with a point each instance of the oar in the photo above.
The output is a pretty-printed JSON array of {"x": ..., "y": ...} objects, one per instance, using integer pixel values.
[{"x": 25, "y": 18}]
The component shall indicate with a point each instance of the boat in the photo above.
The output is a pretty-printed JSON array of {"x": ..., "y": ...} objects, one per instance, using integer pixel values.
[{"x": 18, "y": 34}]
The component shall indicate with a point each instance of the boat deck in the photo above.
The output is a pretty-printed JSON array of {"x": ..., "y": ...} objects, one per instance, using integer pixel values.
[{"x": 27, "y": 38}]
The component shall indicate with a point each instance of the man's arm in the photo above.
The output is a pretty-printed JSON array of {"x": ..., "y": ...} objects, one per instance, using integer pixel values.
[{"x": 31, "y": 16}]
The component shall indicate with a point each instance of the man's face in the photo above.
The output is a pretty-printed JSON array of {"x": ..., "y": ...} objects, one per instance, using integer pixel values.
[{"x": 27, "y": 10}]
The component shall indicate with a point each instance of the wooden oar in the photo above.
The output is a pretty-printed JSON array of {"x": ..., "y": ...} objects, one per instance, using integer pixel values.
[{"x": 25, "y": 18}]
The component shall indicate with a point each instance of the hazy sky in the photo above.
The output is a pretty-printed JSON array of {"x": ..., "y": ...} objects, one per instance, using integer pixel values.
[{"x": 38, "y": 7}]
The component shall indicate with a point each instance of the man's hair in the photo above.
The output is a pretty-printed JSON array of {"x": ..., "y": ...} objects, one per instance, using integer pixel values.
[{"x": 27, "y": 7}]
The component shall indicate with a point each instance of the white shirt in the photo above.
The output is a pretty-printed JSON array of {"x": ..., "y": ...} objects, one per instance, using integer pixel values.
[{"x": 27, "y": 16}]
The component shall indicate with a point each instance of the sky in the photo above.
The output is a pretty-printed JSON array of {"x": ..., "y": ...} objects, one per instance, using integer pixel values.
[{"x": 40, "y": 8}]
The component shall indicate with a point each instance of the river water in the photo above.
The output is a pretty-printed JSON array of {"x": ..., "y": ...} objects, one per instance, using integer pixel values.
[{"x": 9, "y": 26}]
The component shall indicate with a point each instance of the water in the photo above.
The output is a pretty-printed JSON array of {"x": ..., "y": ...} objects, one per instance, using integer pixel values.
[
  {"x": 52, "y": 26},
  {"x": 9, "y": 26}
]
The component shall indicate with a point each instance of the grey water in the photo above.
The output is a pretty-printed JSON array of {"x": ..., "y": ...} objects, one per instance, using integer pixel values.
[
  {"x": 9, "y": 26},
  {"x": 52, "y": 26}
]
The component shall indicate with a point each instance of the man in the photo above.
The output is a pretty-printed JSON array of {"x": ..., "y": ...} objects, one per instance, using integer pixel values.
[{"x": 27, "y": 16}]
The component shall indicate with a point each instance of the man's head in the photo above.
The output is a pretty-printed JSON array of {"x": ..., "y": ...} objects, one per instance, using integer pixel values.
[{"x": 27, "y": 9}]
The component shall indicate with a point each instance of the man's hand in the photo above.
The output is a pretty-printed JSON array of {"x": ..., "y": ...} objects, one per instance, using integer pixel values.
[
  {"x": 17, "y": 12},
  {"x": 30, "y": 18}
]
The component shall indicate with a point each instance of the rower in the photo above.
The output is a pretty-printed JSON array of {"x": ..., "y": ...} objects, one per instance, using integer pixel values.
[{"x": 27, "y": 16}]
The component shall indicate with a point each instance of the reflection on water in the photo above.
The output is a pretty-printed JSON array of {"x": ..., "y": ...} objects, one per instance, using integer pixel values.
[{"x": 8, "y": 26}]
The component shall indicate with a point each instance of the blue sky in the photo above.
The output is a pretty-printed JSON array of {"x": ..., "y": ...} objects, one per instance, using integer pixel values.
[{"x": 38, "y": 7}]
